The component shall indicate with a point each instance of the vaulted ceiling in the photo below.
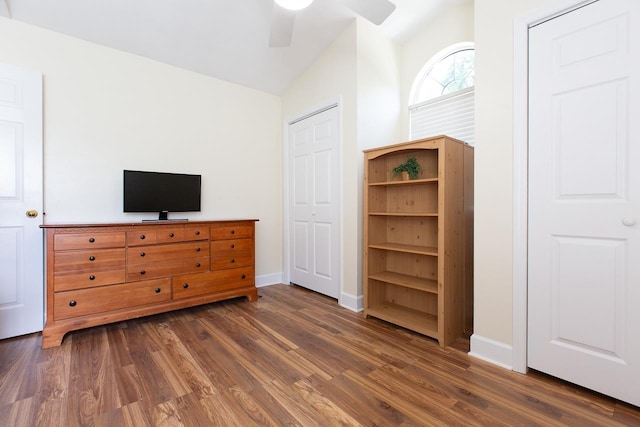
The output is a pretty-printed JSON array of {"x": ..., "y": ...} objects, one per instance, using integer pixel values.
[{"x": 226, "y": 39}]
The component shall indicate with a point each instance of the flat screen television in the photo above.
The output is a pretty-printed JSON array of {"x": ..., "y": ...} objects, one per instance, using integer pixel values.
[{"x": 161, "y": 192}]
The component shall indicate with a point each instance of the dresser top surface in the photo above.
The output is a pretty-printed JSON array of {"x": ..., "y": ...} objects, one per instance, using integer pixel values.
[{"x": 149, "y": 223}]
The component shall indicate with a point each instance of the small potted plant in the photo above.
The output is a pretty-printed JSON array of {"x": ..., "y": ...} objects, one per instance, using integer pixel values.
[{"x": 408, "y": 170}]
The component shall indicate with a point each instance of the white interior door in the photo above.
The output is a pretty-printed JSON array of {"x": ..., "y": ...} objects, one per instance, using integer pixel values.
[
  {"x": 584, "y": 198},
  {"x": 21, "y": 239},
  {"x": 314, "y": 204}
]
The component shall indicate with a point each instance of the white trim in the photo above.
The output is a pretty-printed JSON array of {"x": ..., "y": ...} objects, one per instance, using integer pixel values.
[
  {"x": 351, "y": 302},
  {"x": 269, "y": 279},
  {"x": 521, "y": 27},
  {"x": 331, "y": 103},
  {"x": 306, "y": 116},
  {"x": 491, "y": 351}
]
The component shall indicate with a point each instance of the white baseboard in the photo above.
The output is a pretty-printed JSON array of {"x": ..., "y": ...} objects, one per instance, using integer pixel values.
[
  {"x": 351, "y": 302},
  {"x": 269, "y": 279},
  {"x": 491, "y": 351}
]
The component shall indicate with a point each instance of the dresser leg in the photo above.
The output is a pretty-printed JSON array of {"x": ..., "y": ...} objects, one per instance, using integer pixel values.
[
  {"x": 51, "y": 338},
  {"x": 253, "y": 295}
]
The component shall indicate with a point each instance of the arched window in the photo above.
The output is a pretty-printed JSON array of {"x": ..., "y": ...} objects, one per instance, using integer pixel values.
[{"x": 442, "y": 96}]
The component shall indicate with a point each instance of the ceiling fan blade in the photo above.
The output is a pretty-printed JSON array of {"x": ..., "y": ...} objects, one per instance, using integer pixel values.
[
  {"x": 282, "y": 21},
  {"x": 375, "y": 11}
]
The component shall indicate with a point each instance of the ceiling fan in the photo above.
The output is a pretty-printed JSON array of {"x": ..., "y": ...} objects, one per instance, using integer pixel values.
[{"x": 284, "y": 15}]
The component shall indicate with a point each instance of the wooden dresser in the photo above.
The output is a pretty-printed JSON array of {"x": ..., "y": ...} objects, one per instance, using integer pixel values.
[{"x": 103, "y": 273}]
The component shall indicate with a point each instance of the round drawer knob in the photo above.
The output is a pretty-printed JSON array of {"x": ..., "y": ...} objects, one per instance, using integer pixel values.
[
  {"x": 92, "y": 258},
  {"x": 91, "y": 240},
  {"x": 197, "y": 233},
  {"x": 142, "y": 237},
  {"x": 198, "y": 264},
  {"x": 143, "y": 272},
  {"x": 186, "y": 285},
  {"x": 142, "y": 254},
  {"x": 92, "y": 277},
  {"x": 244, "y": 276},
  {"x": 233, "y": 260},
  {"x": 170, "y": 234},
  {"x": 157, "y": 290},
  {"x": 72, "y": 303},
  {"x": 233, "y": 246},
  {"x": 197, "y": 249},
  {"x": 233, "y": 231}
]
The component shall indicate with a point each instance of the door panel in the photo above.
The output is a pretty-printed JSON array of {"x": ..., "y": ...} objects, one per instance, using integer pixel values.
[
  {"x": 584, "y": 198},
  {"x": 591, "y": 270},
  {"x": 301, "y": 246},
  {"x": 590, "y": 143},
  {"x": 314, "y": 202},
  {"x": 21, "y": 244},
  {"x": 323, "y": 238}
]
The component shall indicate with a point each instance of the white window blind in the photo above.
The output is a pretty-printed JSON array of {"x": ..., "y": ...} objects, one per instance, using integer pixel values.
[{"x": 451, "y": 115}]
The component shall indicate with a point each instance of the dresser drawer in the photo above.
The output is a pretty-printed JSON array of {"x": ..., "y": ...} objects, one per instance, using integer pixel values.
[
  {"x": 153, "y": 235},
  {"x": 231, "y": 253},
  {"x": 88, "y": 279},
  {"x": 144, "y": 254},
  {"x": 89, "y": 259},
  {"x": 234, "y": 231},
  {"x": 211, "y": 282},
  {"x": 146, "y": 236},
  {"x": 65, "y": 242},
  {"x": 222, "y": 262},
  {"x": 167, "y": 268},
  {"x": 82, "y": 302},
  {"x": 166, "y": 234},
  {"x": 196, "y": 232},
  {"x": 232, "y": 246}
]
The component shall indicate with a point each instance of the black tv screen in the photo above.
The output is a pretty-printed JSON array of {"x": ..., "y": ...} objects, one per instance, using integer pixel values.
[{"x": 161, "y": 192}]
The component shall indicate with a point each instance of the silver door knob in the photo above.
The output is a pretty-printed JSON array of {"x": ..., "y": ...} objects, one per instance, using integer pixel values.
[
  {"x": 32, "y": 213},
  {"x": 629, "y": 222}
]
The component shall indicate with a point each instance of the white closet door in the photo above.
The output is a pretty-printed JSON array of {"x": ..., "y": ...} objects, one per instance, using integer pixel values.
[
  {"x": 584, "y": 198},
  {"x": 21, "y": 248},
  {"x": 314, "y": 145}
]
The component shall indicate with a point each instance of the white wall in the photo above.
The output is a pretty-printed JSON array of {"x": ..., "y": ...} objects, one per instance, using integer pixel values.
[
  {"x": 379, "y": 111},
  {"x": 334, "y": 76},
  {"x": 361, "y": 69},
  {"x": 106, "y": 110},
  {"x": 494, "y": 171}
]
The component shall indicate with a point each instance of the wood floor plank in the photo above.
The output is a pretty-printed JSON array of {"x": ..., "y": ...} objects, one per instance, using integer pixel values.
[
  {"x": 17, "y": 382},
  {"x": 292, "y": 358},
  {"x": 92, "y": 386},
  {"x": 218, "y": 411},
  {"x": 134, "y": 414},
  {"x": 154, "y": 386},
  {"x": 365, "y": 407},
  {"x": 183, "y": 362},
  {"x": 328, "y": 410},
  {"x": 191, "y": 410},
  {"x": 166, "y": 415}
]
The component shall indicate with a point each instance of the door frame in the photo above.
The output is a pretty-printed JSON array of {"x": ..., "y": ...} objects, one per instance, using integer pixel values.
[
  {"x": 521, "y": 27},
  {"x": 330, "y": 103}
]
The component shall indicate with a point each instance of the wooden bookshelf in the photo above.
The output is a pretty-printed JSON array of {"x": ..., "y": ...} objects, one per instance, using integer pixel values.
[{"x": 418, "y": 238}]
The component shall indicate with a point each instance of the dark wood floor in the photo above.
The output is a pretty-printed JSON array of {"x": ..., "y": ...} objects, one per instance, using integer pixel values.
[{"x": 292, "y": 358}]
